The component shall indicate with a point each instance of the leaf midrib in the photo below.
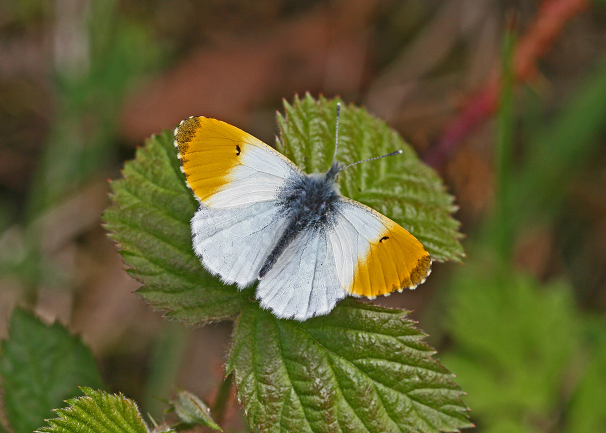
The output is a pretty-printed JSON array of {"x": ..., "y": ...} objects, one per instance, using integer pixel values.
[
  {"x": 332, "y": 367},
  {"x": 288, "y": 375}
]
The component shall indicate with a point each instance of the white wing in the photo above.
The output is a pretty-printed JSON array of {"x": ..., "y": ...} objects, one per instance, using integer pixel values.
[
  {"x": 237, "y": 180},
  {"x": 362, "y": 253},
  {"x": 303, "y": 283},
  {"x": 374, "y": 255},
  {"x": 259, "y": 177},
  {"x": 227, "y": 167},
  {"x": 234, "y": 242}
]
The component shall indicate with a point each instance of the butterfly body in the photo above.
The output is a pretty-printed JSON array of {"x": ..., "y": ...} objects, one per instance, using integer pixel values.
[
  {"x": 308, "y": 203},
  {"x": 263, "y": 219}
]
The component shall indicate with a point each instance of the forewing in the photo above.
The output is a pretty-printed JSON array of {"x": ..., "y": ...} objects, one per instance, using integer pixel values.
[
  {"x": 373, "y": 254},
  {"x": 303, "y": 282},
  {"x": 225, "y": 167},
  {"x": 234, "y": 242}
]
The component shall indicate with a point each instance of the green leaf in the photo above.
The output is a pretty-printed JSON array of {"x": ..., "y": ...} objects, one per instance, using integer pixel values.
[
  {"x": 150, "y": 221},
  {"x": 41, "y": 366},
  {"x": 98, "y": 412},
  {"x": 362, "y": 368},
  {"x": 512, "y": 344},
  {"x": 191, "y": 410},
  {"x": 400, "y": 187}
]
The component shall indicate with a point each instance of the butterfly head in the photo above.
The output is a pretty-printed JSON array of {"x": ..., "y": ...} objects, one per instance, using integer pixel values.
[{"x": 334, "y": 170}]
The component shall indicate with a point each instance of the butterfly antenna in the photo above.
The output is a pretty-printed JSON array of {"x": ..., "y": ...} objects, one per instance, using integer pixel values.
[
  {"x": 334, "y": 158},
  {"x": 397, "y": 152},
  {"x": 336, "y": 168}
]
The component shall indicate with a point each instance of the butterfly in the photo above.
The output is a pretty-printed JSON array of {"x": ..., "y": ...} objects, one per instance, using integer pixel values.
[{"x": 261, "y": 218}]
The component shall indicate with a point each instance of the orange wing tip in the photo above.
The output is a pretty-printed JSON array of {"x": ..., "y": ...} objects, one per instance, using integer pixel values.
[
  {"x": 185, "y": 132},
  {"x": 419, "y": 274}
]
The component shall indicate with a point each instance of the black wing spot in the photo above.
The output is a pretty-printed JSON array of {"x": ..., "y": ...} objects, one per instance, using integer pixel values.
[
  {"x": 384, "y": 238},
  {"x": 238, "y": 150}
]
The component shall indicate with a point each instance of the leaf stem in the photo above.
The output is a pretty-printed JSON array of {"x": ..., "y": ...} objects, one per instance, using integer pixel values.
[
  {"x": 164, "y": 366},
  {"x": 222, "y": 400},
  {"x": 502, "y": 228}
]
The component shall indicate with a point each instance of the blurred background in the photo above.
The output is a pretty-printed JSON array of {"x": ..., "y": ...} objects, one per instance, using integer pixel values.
[{"x": 505, "y": 99}]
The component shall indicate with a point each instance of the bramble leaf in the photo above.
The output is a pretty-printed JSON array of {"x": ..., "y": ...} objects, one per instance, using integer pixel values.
[
  {"x": 362, "y": 368},
  {"x": 191, "y": 410},
  {"x": 99, "y": 412},
  {"x": 150, "y": 221},
  {"x": 41, "y": 366},
  {"x": 400, "y": 187}
]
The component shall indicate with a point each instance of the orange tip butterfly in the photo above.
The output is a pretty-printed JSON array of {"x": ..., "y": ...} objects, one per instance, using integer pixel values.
[{"x": 261, "y": 218}]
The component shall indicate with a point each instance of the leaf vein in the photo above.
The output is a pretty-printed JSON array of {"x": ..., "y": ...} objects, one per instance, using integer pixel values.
[{"x": 364, "y": 374}]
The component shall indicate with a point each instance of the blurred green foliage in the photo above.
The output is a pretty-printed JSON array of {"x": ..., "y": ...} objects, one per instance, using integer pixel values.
[
  {"x": 515, "y": 339},
  {"x": 91, "y": 82},
  {"x": 586, "y": 406},
  {"x": 93, "y": 72},
  {"x": 91, "y": 91},
  {"x": 40, "y": 367},
  {"x": 526, "y": 354}
]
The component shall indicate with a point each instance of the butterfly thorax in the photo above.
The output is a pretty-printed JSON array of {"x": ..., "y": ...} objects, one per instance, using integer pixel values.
[
  {"x": 308, "y": 203},
  {"x": 309, "y": 199}
]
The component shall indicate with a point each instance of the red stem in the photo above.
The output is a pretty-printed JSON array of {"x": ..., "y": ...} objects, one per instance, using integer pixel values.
[{"x": 553, "y": 15}]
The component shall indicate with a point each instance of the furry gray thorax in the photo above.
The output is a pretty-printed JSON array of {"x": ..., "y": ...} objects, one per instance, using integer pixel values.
[{"x": 308, "y": 203}]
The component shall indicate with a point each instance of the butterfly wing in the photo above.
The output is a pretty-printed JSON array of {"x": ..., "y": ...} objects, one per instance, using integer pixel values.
[
  {"x": 225, "y": 166},
  {"x": 362, "y": 253},
  {"x": 236, "y": 178},
  {"x": 374, "y": 255},
  {"x": 234, "y": 242},
  {"x": 303, "y": 282}
]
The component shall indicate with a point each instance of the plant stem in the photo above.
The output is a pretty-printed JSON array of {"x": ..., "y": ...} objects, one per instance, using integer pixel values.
[
  {"x": 537, "y": 41},
  {"x": 222, "y": 400},
  {"x": 502, "y": 228},
  {"x": 164, "y": 366}
]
